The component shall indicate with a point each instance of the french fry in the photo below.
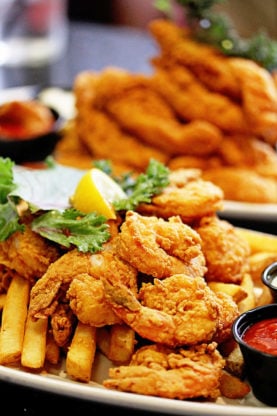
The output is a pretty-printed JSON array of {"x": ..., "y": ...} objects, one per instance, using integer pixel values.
[
  {"x": 258, "y": 262},
  {"x": 235, "y": 291},
  {"x": 234, "y": 362},
  {"x": 34, "y": 343},
  {"x": 249, "y": 302},
  {"x": 122, "y": 343},
  {"x": 103, "y": 338},
  {"x": 232, "y": 387},
  {"x": 2, "y": 300},
  {"x": 14, "y": 315},
  {"x": 81, "y": 353},
  {"x": 259, "y": 241}
]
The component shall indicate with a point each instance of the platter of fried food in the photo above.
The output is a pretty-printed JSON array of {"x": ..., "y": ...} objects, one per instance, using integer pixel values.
[
  {"x": 138, "y": 311},
  {"x": 197, "y": 109}
]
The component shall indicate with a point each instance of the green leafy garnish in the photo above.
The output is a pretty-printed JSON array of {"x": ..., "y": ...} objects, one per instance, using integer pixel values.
[
  {"x": 6, "y": 179},
  {"x": 71, "y": 227},
  {"x": 146, "y": 185},
  {"x": 9, "y": 218},
  {"x": 47, "y": 193},
  {"x": 217, "y": 29}
]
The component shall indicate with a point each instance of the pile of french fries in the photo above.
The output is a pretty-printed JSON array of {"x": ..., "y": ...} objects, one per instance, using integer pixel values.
[{"x": 29, "y": 344}]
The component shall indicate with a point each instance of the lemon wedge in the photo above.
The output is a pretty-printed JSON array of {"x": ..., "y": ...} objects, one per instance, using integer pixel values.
[{"x": 96, "y": 191}]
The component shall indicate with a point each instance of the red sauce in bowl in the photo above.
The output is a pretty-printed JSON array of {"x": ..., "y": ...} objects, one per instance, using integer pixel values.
[
  {"x": 262, "y": 336},
  {"x": 22, "y": 120}
]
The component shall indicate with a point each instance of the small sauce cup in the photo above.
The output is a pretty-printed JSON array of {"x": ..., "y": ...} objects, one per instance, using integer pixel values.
[
  {"x": 29, "y": 130},
  {"x": 269, "y": 278},
  {"x": 260, "y": 365}
]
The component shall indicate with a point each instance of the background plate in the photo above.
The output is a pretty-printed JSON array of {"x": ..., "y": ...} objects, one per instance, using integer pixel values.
[{"x": 250, "y": 211}]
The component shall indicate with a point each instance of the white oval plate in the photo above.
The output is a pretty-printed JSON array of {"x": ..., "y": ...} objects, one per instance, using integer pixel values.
[{"x": 55, "y": 380}]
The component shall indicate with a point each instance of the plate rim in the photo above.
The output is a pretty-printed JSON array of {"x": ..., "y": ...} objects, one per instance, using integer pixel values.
[{"x": 95, "y": 392}]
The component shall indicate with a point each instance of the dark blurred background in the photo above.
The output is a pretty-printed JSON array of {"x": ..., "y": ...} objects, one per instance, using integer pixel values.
[{"x": 248, "y": 15}]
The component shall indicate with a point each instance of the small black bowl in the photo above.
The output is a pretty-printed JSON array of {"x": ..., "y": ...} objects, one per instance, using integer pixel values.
[
  {"x": 35, "y": 148},
  {"x": 260, "y": 367},
  {"x": 268, "y": 275}
]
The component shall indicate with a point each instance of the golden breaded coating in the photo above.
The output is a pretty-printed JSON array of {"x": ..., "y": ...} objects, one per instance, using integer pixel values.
[
  {"x": 188, "y": 194},
  {"x": 243, "y": 184},
  {"x": 208, "y": 65},
  {"x": 176, "y": 374},
  {"x": 193, "y": 101},
  {"x": 259, "y": 97},
  {"x": 225, "y": 251}
]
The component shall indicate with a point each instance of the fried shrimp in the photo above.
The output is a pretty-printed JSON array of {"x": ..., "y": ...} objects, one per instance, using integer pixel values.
[
  {"x": 87, "y": 301},
  {"x": 27, "y": 253},
  {"x": 179, "y": 310},
  {"x": 225, "y": 251},
  {"x": 187, "y": 195},
  {"x": 82, "y": 267},
  {"x": 160, "y": 248},
  {"x": 156, "y": 370}
]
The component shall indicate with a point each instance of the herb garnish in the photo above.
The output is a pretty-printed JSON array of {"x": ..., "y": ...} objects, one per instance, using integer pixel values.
[
  {"x": 141, "y": 188},
  {"x": 67, "y": 226},
  {"x": 70, "y": 227}
]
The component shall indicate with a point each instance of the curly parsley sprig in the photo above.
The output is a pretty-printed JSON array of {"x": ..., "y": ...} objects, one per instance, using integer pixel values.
[
  {"x": 138, "y": 189},
  {"x": 144, "y": 187}
]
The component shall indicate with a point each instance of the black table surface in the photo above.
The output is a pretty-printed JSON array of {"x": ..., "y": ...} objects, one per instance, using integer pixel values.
[{"x": 90, "y": 47}]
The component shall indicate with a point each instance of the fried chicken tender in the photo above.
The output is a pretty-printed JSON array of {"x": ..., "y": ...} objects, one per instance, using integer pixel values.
[
  {"x": 156, "y": 370},
  {"x": 187, "y": 195},
  {"x": 259, "y": 97},
  {"x": 242, "y": 184},
  {"x": 206, "y": 63},
  {"x": 28, "y": 254},
  {"x": 100, "y": 133},
  {"x": 193, "y": 101},
  {"x": 247, "y": 151},
  {"x": 133, "y": 106},
  {"x": 179, "y": 310},
  {"x": 226, "y": 253},
  {"x": 158, "y": 247}
]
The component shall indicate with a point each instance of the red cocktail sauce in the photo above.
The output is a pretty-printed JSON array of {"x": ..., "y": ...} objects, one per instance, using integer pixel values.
[{"x": 262, "y": 335}]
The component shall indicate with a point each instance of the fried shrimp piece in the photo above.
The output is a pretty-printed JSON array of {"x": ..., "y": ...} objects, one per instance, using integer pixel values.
[
  {"x": 86, "y": 294},
  {"x": 193, "y": 101},
  {"x": 87, "y": 301},
  {"x": 156, "y": 370},
  {"x": 45, "y": 294},
  {"x": 62, "y": 323},
  {"x": 179, "y": 310},
  {"x": 208, "y": 65},
  {"x": 259, "y": 97},
  {"x": 160, "y": 248},
  {"x": 28, "y": 254},
  {"x": 187, "y": 195},
  {"x": 228, "y": 312},
  {"x": 226, "y": 253}
]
